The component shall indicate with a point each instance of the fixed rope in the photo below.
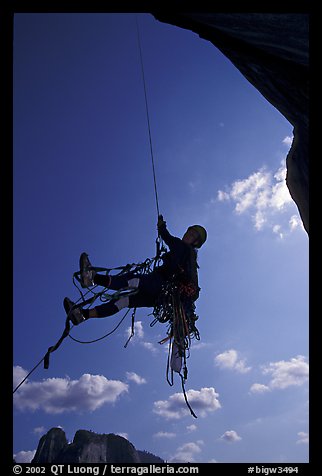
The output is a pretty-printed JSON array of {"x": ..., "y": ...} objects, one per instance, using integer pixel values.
[
  {"x": 147, "y": 116},
  {"x": 28, "y": 375}
]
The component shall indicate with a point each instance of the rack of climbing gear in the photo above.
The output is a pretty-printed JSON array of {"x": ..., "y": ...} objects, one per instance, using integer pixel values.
[{"x": 176, "y": 308}]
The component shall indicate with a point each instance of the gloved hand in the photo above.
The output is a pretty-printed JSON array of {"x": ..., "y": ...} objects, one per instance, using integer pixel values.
[{"x": 161, "y": 221}]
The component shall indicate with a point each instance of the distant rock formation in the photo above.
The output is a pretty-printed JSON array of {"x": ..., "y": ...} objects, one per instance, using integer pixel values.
[
  {"x": 146, "y": 457},
  {"x": 88, "y": 447},
  {"x": 272, "y": 51},
  {"x": 50, "y": 446}
]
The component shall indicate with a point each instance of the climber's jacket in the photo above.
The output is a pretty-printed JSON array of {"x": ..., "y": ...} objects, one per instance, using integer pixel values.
[{"x": 181, "y": 262}]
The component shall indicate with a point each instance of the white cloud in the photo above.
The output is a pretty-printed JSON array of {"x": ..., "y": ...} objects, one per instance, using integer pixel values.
[
  {"x": 230, "y": 436},
  {"x": 135, "y": 378},
  {"x": 197, "y": 345},
  {"x": 138, "y": 330},
  {"x": 294, "y": 372},
  {"x": 124, "y": 435},
  {"x": 295, "y": 222},
  {"x": 186, "y": 453},
  {"x": 266, "y": 198},
  {"x": 191, "y": 428},
  {"x": 278, "y": 230},
  {"x": 39, "y": 430},
  {"x": 202, "y": 401},
  {"x": 164, "y": 434},
  {"x": 229, "y": 360},
  {"x": 251, "y": 192},
  {"x": 303, "y": 438},
  {"x": 18, "y": 375},
  {"x": 149, "y": 346},
  {"x": 259, "y": 388},
  {"x": 58, "y": 395},
  {"x": 24, "y": 456},
  {"x": 222, "y": 196},
  {"x": 287, "y": 373},
  {"x": 287, "y": 141}
]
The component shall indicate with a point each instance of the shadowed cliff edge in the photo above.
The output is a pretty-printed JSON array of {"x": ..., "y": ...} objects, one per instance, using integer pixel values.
[{"x": 272, "y": 51}]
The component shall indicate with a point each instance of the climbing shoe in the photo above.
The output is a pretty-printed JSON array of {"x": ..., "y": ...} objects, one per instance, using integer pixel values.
[
  {"x": 75, "y": 315},
  {"x": 86, "y": 273}
]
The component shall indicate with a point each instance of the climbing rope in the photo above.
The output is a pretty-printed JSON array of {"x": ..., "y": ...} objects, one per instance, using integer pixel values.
[{"x": 147, "y": 116}]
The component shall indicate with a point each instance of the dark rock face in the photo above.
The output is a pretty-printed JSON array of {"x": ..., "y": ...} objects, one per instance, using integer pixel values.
[
  {"x": 272, "y": 52},
  {"x": 88, "y": 447},
  {"x": 50, "y": 445},
  {"x": 146, "y": 457}
]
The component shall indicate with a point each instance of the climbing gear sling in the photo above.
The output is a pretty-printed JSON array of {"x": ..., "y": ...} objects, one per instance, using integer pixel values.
[{"x": 176, "y": 307}]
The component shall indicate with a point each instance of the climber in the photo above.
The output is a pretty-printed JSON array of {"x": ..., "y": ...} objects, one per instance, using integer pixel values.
[{"x": 180, "y": 263}]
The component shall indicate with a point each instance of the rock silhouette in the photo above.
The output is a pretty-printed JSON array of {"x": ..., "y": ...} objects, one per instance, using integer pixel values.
[{"x": 89, "y": 447}]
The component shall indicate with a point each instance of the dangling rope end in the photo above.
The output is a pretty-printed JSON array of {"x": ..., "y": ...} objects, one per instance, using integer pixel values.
[
  {"x": 132, "y": 329},
  {"x": 185, "y": 396}
]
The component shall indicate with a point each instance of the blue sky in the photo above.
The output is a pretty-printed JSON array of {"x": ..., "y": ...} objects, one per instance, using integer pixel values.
[{"x": 83, "y": 182}]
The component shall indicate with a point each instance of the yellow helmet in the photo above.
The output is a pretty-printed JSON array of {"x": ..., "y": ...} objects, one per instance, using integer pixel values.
[{"x": 202, "y": 234}]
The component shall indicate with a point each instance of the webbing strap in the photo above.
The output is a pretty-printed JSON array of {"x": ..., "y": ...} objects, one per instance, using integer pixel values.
[
  {"x": 58, "y": 343},
  {"x": 185, "y": 396},
  {"x": 132, "y": 328}
]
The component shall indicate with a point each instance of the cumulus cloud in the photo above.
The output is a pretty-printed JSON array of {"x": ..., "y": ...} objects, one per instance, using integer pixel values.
[
  {"x": 18, "y": 375},
  {"x": 265, "y": 197},
  {"x": 24, "y": 456},
  {"x": 135, "y": 378},
  {"x": 303, "y": 438},
  {"x": 287, "y": 141},
  {"x": 58, "y": 395},
  {"x": 202, "y": 401},
  {"x": 284, "y": 373},
  {"x": 259, "y": 388},
  {"x": 223, "y": 195},
  {"x": 149, "y": 346},
  {"x": 191, "y": 428},
  {"x": 197, "y": 345},
  {"x": 138, "y": 330},
  {"x": 287, "y": 373},
  {"x": 39, "y": 430},
  {"x": 164, "y": 434},
  {"x": 230, "y": 436},
  {"x": 186, "y": 453},
  {"x": 295, "y": 222},
  {"x": 230, "y": 360}
]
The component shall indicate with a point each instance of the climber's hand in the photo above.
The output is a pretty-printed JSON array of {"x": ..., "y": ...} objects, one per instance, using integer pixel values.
[{"x": 161, "y": 221}]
